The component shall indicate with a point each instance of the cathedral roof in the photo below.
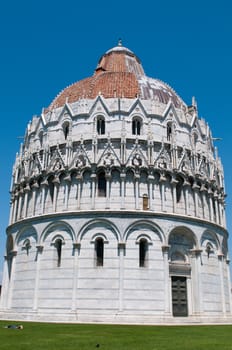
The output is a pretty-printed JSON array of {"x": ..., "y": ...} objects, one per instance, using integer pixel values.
[{"x": 119, "y": 73}]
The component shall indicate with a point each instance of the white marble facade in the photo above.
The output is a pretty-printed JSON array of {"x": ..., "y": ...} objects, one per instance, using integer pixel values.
[{"x": 118, "y": 214}]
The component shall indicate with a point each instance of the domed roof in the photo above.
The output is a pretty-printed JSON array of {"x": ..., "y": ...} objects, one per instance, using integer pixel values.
[{"x": 119, "y": 73}]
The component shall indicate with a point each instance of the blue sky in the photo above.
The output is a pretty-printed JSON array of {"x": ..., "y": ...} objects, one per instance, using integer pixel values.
[{"x": 47, "y": 45}]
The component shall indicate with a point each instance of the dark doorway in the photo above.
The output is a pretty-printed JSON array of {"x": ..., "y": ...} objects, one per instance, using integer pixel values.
[{"x": 179, "y": 296}]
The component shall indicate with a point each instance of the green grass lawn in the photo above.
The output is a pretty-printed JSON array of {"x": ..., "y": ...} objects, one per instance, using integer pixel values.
[{"x": 45, "y": 336}]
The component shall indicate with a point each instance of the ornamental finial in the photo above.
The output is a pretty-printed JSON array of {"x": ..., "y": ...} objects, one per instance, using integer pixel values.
[{"x": 119, "y": 42}]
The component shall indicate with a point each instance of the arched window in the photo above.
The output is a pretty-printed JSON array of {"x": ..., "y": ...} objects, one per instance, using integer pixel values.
[
  {"x": 136, "y": 126},
  {"x": 143, "y": 250},
  {"x": 58, "y": 246},
  {"x": 41, "y": 138},
  {"x": 51, "y": 187},
  {"x": 66, "y": 130},
  {"x": 179, "y": 188},
  {"x": 100, "y": 126},
  {"x": 99, "y": 251},
  {"x": 26, "y": 246},
  {"x": 169, "y": 131},
  {"x": 101, "y": 184}
]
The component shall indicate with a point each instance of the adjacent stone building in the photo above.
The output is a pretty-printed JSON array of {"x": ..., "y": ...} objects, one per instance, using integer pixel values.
[{"x": 117, "y": 207}]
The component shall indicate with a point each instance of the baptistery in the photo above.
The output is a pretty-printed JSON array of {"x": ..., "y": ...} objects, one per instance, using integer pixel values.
[{"x": 117, "y": 207}]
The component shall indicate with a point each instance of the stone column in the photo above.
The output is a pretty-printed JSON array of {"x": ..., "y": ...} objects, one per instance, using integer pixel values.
[
  {"x": 203, "y": 190},
  {"x": 229, "y": 284},
  {"x": 167, "y": 286},
  {"x": 5, "y": 285},
  {"x": 174, "y": 183},
  {"x": 19, "y": 214},
  {"x": 11, "y": 216},
  {"x": 44, "y": 185},
  {"x": 196, "y": 281},
  {"x": 162, "y": 181},
  {"x": 220, "y": 261},
  {"x": 215, "y": 197},
  {"x": 121, "y": 253},
  {"x": 196, "y": 196},
  {"x": 210, "y": 195},
  {"x": 186, "y": 186},
  {"x": 67, "y": 181},
  {"x": 56, "y": 182},
  {"x": 123, "y": 178},
  {"x": 76, "y": 253},
  {"x": 150, "y": 192},
  {"x": 37, "y": 276},
  {"x": 34, "y": 187},
  {"x": 26, "y": 191},
  {"x": 93, "y": 177},
  {"x": 12, "y": 256},
  {"x": 136, "y": 177},
  {"x": 15, "y": 206},
  {"x": 108, "y": 178},
  {"x": 78, "y": 178}
]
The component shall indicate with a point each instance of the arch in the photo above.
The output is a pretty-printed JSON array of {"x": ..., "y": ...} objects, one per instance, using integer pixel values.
[
  {"x": 97, "y": 225},
  {"x": 26, "y": 232},
  {"x": 181, "y": 241},
  {"x": 184, "y": 232},
  {"x": 209, "y": 237},
  {"x": 55, "y": 227},
  {"x": 142, "y": 225}
]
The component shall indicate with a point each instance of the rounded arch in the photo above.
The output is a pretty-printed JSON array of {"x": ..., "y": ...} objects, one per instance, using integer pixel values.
[
  {"x": 180, "y": 232},
  {"x": 55, "y": 227},
  {"x": 181, "y": 241},
  {"x": 97, "y": 224},
  {"x": 143, "y": 236},
  {"x": 210, "y": 237},
  {"x": 26, "y": 232},
  {"x": 142, "y": 225},
  {"x": 96, "y": 115}
]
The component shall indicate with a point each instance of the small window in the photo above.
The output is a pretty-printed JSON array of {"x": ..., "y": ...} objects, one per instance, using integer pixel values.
[
  {"x": 41, "y": 138},
  {"x": 145, "y": 202},
  {"x": 101, "y": 184},
  {"x": 179, "y": 188},
  {"x": 26, "y": 246},
  {"x": 100, "y": 126},
  {"x": 99, "y": 251},
  {"x": 136, "y": 126},
  {"x": 58, "y": 246},
  {"x": 169, "y": 131},
  {"x": 51, "y": 187},
  {"x": 143, "y": 250},
  {"x": 66, "y": 130}
]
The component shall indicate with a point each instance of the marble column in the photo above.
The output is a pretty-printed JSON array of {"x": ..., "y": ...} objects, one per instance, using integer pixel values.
[
  {"x": 93, "y": 192},
  {"x": 123, "y": 181},
  {"x": 220, "y": 261},
  {"x": 196, "y": 281},
  {"x": 167, "y": 285}
]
